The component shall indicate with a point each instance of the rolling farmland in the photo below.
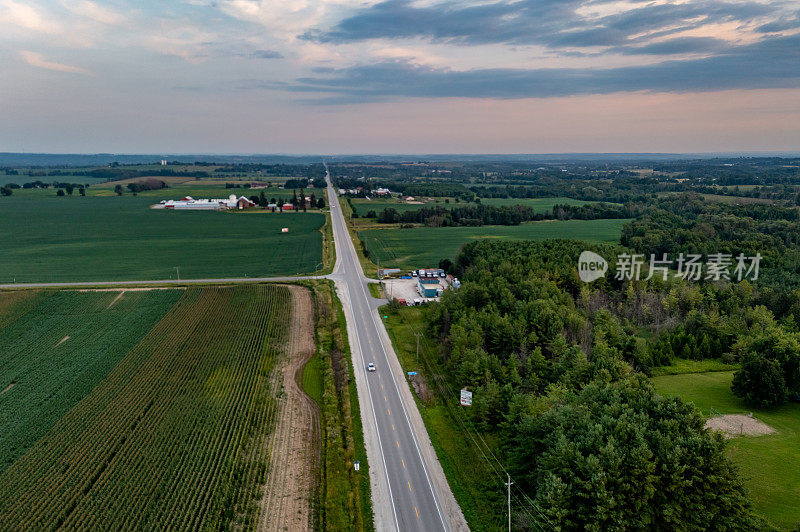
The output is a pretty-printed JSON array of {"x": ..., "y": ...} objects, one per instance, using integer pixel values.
[
  {"x": 424, "y": 247},
  {"x": 363, "y": 206},
  {"x": 50, "y": 239},
  {"x": 174, "y": 435}
]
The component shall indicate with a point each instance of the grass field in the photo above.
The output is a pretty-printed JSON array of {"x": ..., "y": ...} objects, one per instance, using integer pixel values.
[
  {"x": 50, "y": 239},
  {"x": 173, "y": 436},
  {"x": 54, "y": 353},
  {"x": 684, "y": 365},
  {"x": 767, "y": 463},
  {"x": 537, "y": 204},
  {"x": 424, "y": 247},
  {"x": 344, "y": 495}
]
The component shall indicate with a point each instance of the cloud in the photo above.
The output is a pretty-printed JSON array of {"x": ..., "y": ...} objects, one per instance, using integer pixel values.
[
  {"x": 93, "y": 11},
  {"x": 555, "y": 24},
  {"x": 678, "y": 46},
  {"x": 773, "y": 63},
  {"x": 267, "y": 54},
  {"x": 37, "y": 60},
  {"x": 16, "y": 14},
  {"x": 786, "y": 23}
]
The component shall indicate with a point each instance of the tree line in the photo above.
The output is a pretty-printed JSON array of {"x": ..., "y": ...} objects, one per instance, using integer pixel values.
[{"x": 479, "y": 214}]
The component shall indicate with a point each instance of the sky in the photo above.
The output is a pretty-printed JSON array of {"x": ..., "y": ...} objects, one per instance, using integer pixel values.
[{"x": 399, "y": 76}]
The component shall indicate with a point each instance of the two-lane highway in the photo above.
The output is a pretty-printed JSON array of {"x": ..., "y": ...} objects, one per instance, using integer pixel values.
[{"x": 406, "y": 496}]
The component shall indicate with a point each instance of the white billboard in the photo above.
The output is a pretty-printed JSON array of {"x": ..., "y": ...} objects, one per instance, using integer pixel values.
[{"x": 466, "y": 398}]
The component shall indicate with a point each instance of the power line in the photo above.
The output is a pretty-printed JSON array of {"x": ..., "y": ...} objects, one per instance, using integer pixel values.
[{"x": 446, "y": 391}]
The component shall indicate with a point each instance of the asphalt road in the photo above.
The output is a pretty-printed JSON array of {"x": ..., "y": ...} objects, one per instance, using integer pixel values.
[{"x": 404, "y": 493}]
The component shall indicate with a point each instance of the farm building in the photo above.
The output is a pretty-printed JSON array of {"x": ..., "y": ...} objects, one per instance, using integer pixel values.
[
  {"x": 287, "y": 207},
  {"x": 232, "y": 202},
  {"x": 382, "y": 192}
]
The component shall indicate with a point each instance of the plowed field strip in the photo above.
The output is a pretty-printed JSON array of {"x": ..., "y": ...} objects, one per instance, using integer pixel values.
[{"x": 287, "y": 503}]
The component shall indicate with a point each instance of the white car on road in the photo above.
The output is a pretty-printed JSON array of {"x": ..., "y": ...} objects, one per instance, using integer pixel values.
[{"x": 370, "y": 367}]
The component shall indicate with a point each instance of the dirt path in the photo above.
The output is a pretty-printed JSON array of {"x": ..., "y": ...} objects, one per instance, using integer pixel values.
[
  {"x": 295, "y": 444},
  {"x": 115, "y": 300},
  {"x": 63, "y": 340}
]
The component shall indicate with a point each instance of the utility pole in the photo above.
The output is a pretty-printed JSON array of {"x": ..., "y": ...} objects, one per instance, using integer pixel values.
[
  {"x": 417, "y": 335},
  {"x": 509, "y": 501},
  {"x": 178, "y": 269}
]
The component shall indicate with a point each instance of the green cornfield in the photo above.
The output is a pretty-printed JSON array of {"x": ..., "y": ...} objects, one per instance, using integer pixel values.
[
  {"x": 57, "y": 347},
  {"x": 174, "y": 435}
]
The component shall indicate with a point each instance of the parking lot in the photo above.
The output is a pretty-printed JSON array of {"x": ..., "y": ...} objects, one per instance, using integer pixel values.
[{"x": 407, "y": 289}]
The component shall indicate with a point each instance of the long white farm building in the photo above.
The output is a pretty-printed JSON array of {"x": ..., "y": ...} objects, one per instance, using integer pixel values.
[{"x": 232, "y": 202}]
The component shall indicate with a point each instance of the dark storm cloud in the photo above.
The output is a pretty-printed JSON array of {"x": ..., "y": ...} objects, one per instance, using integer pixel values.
[{"x": 773, "y": 63}]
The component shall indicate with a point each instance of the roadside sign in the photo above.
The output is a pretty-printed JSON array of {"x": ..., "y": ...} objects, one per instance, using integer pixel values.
[
  {"x": 466, "y": 398},
  {"x": 356, "y": 465},
  {"x": 412, "y": 373}
]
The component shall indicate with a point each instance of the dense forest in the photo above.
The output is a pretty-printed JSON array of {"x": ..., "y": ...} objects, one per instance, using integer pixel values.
[{"x": 558, "y": 371}]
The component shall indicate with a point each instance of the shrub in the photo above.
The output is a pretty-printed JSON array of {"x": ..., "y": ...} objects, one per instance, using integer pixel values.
[{"x": 760, "y": 381}]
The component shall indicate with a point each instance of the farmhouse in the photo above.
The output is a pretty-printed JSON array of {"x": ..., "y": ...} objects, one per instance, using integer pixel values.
[
  {"x": 232, "y": 202},
  {"x": 382, "y": 192}
]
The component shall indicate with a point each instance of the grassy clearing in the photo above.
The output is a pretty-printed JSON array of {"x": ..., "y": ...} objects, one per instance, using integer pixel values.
[
  {"x": 313, "y": 382},
  {"x": 59, "y": 350},
  {"x": 682, "y": 365},
  {"x": 767, "y": 462},
  {"x": 108, "y": 239},
  {"x": 173, "y": 436},
  {"x": 424, "y": 247},
  {"x": 375, "y": 291},
  {"x": 479, "y": 493},
  {"x": 328, "y": 247},
  {"x": 344, "y": 496}
]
